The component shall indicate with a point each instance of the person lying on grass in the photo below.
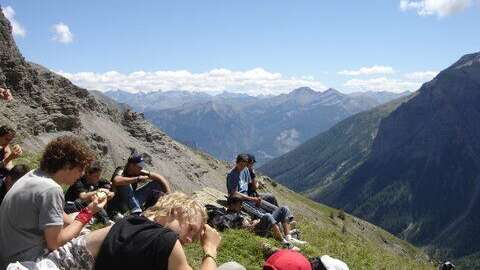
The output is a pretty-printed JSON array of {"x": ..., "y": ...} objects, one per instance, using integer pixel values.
[{"x": 155, "y": 239}]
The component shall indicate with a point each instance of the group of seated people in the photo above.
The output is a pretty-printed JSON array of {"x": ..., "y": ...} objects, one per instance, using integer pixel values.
[
  {"x": 263, "y": 207},
  {"x": 39, "y": 224},
  {"x": 34, "y": 225}
]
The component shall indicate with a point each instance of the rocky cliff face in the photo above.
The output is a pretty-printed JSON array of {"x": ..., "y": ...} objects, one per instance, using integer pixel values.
[
  {"x": 422, "y": 179},
  {"x": 411, "y": 166},
  {"x": 47, "y": 105}
]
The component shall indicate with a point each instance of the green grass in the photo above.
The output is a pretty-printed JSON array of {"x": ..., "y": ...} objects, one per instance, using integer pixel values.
[{"x": 32, "y": 160}]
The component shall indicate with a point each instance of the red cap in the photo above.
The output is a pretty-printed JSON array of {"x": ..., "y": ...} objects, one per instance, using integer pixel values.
[{"x": 286, "y": 259}]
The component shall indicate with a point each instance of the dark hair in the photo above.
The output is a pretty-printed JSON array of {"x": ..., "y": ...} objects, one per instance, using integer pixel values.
[
  {"x": 65, "y": 152},
  {"x": 317, "y": 263},
  {"x": 251, "y": 158},
  {"x": 18, "y": 171},
  {"x": 242, "y": 157},
  {"x": 4, "y": 130},
  {"x": 95, "y": 167}
]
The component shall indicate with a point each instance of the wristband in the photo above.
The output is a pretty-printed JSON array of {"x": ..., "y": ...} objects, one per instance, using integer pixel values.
[
  {"x": 209, "y": 256},
  {"x": 84, "y": 216}
]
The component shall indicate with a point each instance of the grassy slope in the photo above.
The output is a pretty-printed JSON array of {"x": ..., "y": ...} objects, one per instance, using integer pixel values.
[{"x": 362, "y": 246}]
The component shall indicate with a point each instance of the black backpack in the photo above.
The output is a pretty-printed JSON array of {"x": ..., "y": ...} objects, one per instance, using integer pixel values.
[{"x": 220, "y": 219}]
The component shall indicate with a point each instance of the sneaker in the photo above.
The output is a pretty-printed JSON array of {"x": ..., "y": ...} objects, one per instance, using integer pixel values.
[
  {"x": 295, "y": 241},
  {"x": 289, "y": 245}
]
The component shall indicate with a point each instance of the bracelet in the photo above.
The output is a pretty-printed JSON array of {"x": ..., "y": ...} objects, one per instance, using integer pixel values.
[
  {"x": 209, "y": 256},
  {"x": 84, "y": 216}
]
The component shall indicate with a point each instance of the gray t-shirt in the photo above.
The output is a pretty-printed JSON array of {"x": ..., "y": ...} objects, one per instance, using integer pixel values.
[{"x": 34, "y": 202}]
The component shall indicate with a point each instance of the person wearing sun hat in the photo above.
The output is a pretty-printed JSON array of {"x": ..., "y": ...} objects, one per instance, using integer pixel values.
[
  {"x": 287, "y": 259},
  {"x": 127, "y": 193}
]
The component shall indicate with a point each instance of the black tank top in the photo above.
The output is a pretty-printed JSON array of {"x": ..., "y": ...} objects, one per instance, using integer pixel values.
[{"x": 136, "y": 243}]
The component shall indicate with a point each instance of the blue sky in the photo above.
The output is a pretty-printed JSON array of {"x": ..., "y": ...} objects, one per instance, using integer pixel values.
[{"x": 257, "y": 47}]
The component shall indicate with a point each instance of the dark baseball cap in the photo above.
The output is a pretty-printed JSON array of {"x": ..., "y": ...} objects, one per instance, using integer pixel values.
[
  {"x": 251, "y": 158},
  {"x": 137, "y": 159}
]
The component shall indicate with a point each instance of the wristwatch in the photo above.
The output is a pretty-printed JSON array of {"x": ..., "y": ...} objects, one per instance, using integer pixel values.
[{"x": 209, "y": 256}]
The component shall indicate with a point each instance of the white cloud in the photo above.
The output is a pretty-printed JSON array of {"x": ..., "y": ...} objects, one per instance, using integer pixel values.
[
  {"x": 254, "y": 82},
  {"x": 421, "y": 76},
  {"x": 368, "y": 71},
  {"x": 62, "y": 33},
  {"x": 17, "y": 28},
  {"x": 441, "y": 8},
  {"x": 382, "y": 84}
]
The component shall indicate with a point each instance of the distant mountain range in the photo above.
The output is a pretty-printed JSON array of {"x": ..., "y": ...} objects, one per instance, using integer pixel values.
[
  {"x": 411, "y": 166},
  {"x": 228, "y": 123}
]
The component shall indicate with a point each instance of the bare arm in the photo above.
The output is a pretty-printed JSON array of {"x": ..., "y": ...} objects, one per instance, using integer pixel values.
[
  {"x": 87, "y": 196},
  {"x": 246, "y": 197},
  {"x": 160, "y": 179},
  {"x": 123, "y": 181},
  {"x": 11, "y": 154},
  {"x": 56, "y": 236},
  {"x": 177, "y": 259},
  {"x": 67, "y": 220}
]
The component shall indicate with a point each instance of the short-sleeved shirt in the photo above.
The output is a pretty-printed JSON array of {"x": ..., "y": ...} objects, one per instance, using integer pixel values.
[
  {"x": 33, "y": 203},
  {"x": 136, "y": 243},
  {"x": 238, "y": 181},
  {"x": 82, "y": 185}
]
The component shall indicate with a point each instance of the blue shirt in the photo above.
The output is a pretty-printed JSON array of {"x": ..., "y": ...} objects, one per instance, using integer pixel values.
[{"x": 238, "y": 181}]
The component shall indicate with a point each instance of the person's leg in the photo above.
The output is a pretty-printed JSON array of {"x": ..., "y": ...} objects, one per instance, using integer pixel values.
[
  {"x": 148, "y": 194},
  {"x": 124, "y": 195},
  {"x": 253, "y": 210},
  {"x": 73, "y": 255}
]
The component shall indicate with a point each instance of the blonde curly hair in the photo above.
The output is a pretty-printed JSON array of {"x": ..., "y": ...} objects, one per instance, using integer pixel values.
[{"x": 183, "y": 205}]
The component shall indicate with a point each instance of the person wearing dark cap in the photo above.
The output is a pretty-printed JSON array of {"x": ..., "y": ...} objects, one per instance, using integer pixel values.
[
  {"x": 11, "y": 176},
  {"x": 252, "y": 187},
  {"x": 128, "y": 194}
]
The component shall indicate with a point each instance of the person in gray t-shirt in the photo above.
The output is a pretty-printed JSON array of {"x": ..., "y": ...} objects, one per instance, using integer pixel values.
[{"x": 32, "y": 216}]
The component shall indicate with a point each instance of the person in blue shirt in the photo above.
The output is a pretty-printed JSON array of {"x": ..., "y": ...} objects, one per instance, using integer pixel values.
[{"x": 238, "y": 180}]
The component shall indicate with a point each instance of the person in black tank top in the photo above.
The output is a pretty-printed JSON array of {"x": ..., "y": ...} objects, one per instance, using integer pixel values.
[{"x": 156, "y": 239}]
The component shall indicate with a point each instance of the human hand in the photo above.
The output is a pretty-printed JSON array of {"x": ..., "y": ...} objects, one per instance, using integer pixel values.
[
  {"x": 5, "y": 94},
  {"x": 142, "y": 178},
  {"x": 210, "y": 240},
  {"x": 97, "y": 204},
  {"x": 16, "y": 151},
  {"x": 257, "y": 201}
]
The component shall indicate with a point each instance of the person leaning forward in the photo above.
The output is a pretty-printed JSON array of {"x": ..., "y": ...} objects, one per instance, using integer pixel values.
[{"x": 128, "y": 193}]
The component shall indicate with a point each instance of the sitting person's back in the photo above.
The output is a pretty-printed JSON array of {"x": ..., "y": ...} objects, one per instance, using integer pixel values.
[{"x": 39, "y": 199}]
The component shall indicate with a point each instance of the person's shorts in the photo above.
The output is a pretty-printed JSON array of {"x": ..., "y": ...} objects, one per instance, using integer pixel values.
[{"x": 73, "y": 255}]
